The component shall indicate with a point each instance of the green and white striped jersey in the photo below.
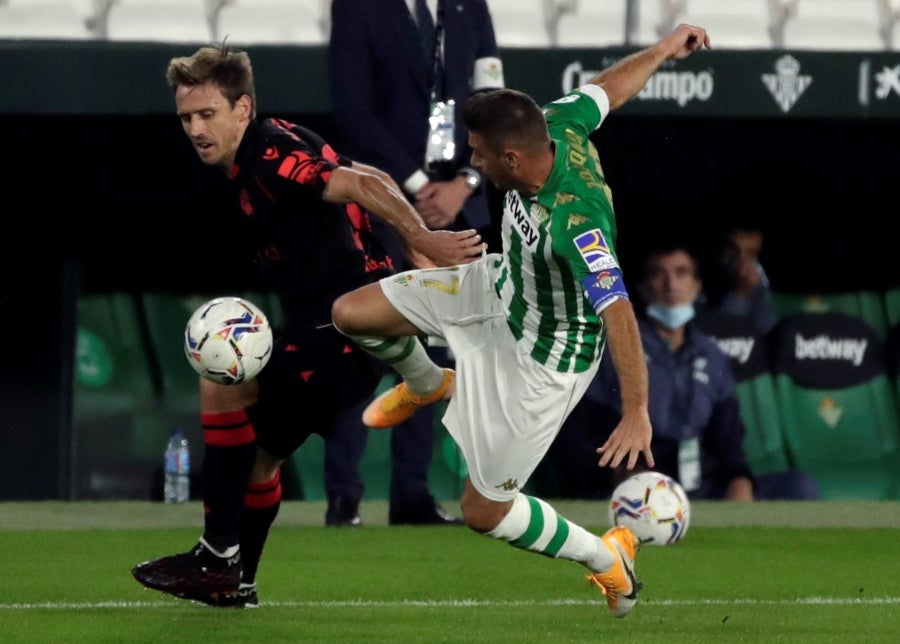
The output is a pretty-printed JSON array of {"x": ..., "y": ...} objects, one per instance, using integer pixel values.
[{"x": 559, "y": 240}]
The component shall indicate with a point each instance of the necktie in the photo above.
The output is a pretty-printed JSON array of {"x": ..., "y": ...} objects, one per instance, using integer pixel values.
[{"x": 426, "y": 27}]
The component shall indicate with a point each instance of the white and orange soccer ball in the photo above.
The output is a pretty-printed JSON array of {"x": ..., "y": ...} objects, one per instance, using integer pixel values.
[
  {"x": 654, "y": 506},
  {"x": 228, "y": 340}
]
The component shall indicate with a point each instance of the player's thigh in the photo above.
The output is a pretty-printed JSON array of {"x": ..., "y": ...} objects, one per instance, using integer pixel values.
[
  {"x": 435, "y": 300},
  {"x": 506, "y": 411}
]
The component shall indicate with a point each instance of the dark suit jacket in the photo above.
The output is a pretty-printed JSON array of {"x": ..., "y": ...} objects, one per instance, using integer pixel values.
[{"x": 381, "y": 83}]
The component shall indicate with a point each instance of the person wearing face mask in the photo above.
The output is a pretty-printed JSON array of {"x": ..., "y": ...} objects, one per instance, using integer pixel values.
[{"x": 698, "y": 434}]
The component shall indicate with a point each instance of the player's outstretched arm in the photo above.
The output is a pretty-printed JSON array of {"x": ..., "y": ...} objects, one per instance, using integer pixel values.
[
  {"x": 622, "y": 80},
  {"x": 632, "y": 435},
  {"x": 383, "y": 198}
]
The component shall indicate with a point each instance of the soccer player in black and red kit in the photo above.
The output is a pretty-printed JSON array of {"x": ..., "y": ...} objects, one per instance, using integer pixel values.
[{"x": 303, "y": 206}]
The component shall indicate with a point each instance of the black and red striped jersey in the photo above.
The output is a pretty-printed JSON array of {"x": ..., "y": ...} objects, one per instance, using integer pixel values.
[{"x": 309, "y": 250}]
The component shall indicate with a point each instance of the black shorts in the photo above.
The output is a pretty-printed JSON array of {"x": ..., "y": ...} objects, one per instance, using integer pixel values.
[{"x": 313, "y": 374}]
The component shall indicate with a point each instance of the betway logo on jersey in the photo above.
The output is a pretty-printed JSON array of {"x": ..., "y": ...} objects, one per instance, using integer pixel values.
[
  {"x": 824, "y": 347},
  {"x": 521, "y": 220},
  {"x": 665, "y": 85},
  {"x": 595, "y": 251}
]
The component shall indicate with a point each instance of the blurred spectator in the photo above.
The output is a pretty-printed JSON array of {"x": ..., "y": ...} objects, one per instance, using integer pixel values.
[
  {"x": 735, "y": 281},
  {"x": 698, "y": 434},
  {"x": 393, "y": 64}
]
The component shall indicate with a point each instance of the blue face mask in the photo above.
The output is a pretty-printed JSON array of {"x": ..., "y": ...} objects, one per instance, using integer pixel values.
[{"x": 671, "y": 317}]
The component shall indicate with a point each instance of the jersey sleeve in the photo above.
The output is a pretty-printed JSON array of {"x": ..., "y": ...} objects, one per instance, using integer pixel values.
[
  {"x": 583, "y": 222},
  {"x": 594, "y": 262},
  {"x": 297, "y": 164},
  {"x": 584, "y": 107}
]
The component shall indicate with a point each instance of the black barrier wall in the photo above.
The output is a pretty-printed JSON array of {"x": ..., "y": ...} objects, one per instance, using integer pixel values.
[
  {"x": 103, "y": 77},
  {"x": 103, "y": 192}
]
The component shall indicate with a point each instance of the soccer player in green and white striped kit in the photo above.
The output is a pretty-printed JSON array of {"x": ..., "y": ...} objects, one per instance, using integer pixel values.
[{"x": 527, "y": 327}]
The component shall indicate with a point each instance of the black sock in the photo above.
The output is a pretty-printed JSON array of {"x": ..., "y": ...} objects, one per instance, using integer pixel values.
[
  {"x": 261, "y": 506},
  {"x": 230, "y": 451}
]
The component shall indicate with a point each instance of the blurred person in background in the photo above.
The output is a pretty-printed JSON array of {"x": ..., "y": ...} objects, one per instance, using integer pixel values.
[
  {"x": 735, "y": 282},
  {"x": 400, "y": 72},
  {"x": 698, "y": 433},
  {"x": 301, "y": 207}
]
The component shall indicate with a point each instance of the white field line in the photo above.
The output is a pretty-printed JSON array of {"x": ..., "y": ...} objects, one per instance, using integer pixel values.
[{"x": 472, "y": 603}]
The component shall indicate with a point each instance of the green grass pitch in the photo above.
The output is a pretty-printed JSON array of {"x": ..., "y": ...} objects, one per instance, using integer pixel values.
[{"x": 765, "y": 572}]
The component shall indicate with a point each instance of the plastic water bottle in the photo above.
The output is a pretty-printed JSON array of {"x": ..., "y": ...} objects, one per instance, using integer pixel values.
[{"x": 177, "y": 468}]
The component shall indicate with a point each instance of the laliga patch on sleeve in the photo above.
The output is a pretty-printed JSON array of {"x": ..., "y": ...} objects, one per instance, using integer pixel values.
[
  {"x": 595, "y": 251},
  {"x": 604, "y": 287}
]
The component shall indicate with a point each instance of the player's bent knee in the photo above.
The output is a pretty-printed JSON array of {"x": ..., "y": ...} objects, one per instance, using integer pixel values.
[
  {"x": 481, "y": 514},
  {"x": 343, "y": 312}
]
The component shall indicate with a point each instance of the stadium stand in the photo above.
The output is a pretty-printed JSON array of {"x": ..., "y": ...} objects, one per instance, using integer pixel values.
[
  {"x": 159, "y": 21},
  {"x": 520, "y": 23},
  {"x": 299, "y": 22},
  {"x": 892, "y": 26},
  {"x": 837, "y": 24},
  {"x": 802, "y": 24},
  {"x": 893, "y": 351},
  {"x": 119, "y": 433},
  {"x": 50, "y": 20},
  {"x": 166, "y": 315},
  {"x": 837, "y": 403},
  {"x": 592, "y": 24},
  {"x": 866, "y": 305},
  {"x": 749, "y": 24},
  {"x": 748, "y": 354},
  {"x": 654, "y": 18},
  {"x": 892, "y": 305}
]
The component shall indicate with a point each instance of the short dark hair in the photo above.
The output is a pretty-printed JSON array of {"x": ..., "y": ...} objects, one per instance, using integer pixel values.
[
  {"x": 506, "y": 116},
  {"x": 221, "y": 65},
  {"x": 659, "y": 248}
]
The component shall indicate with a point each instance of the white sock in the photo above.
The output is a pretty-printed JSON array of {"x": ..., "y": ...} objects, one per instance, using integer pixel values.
[
  {"x": 225, "y": 554},
  {"x": 408, "y": 356},
  {"x": 532, "y": 524}
]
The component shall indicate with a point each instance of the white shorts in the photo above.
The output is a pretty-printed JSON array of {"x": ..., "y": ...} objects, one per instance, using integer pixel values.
[{"x": 507, "y": 408}]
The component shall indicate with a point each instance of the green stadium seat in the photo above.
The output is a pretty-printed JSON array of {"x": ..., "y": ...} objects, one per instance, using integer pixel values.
[
  {"x": 748, "y": 355},
  {"x": 119, "y": 432},
  {"x": 893, "y": 357},
  {"x": 836, "y": 400},
  {"x": 166, "y": 315},
  {"x": 867, "y": 305},
  {"x": 893, "y": 351},
  {"x": 892, "y": 306}
]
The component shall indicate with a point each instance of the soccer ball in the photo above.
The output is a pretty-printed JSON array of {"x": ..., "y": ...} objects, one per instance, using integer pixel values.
[
  {"x": 228, "y": 340},
  {"x": 654, "y": 506}
]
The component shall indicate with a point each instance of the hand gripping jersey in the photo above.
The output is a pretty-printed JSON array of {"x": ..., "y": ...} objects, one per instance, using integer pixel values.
[{"x": 559, "y": 267}]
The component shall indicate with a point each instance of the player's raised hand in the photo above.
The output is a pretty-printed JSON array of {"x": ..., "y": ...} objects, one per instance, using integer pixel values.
[{"x": 684, "y": 40}]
